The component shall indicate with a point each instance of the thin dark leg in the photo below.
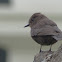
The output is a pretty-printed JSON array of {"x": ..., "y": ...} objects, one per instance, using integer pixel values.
[
  {"x": 40, "y": 48},
  {"x": 50, "y": 48}
]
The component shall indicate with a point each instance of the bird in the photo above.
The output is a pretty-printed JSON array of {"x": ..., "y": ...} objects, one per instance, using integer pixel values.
[{"x": 43, "y": 30}]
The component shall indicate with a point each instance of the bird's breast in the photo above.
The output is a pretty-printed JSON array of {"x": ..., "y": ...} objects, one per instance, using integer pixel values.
[{"x": 44, "y": 40}]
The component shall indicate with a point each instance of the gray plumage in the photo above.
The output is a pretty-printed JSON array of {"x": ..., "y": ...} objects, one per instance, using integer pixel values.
[
  {"x": 45, "y": 26},
  {"x": 43, "y": 30}
]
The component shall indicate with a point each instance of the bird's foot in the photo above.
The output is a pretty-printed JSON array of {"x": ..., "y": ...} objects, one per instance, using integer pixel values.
[
  {"x": 49, "y": 50},
  {"x": 40, "y": 51}
]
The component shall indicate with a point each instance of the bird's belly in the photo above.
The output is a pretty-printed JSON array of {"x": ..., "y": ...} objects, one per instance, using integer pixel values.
[{"x": 44, "y": 40}]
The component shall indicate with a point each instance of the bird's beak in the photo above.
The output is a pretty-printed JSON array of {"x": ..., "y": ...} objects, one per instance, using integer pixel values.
[{"x": 26, "y": 26}]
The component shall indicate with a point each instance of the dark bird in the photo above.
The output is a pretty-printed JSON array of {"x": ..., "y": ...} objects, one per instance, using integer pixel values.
[{"x": 43, "y": 30}]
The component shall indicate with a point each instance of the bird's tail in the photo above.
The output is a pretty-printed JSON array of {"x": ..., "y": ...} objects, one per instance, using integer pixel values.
[{"x": 58, "y": 37}]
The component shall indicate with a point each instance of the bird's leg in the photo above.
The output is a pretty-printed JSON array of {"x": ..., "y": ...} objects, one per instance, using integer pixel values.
[
  {"x": 50, "y": 48},
  {"x": 40, "y": 48}
]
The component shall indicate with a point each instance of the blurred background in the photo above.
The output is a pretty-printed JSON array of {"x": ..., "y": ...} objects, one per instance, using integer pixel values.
[{"x": 16, "y": 45}]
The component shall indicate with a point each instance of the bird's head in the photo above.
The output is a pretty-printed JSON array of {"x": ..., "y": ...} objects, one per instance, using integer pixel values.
[{"x": 34, "y": 19}]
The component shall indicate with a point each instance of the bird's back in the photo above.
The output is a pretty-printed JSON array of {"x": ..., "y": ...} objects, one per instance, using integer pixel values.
[{"x": 45, "y": 27}]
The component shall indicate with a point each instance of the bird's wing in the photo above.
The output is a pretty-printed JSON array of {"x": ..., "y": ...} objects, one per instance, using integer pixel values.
[{"x": 46, "y": 30}]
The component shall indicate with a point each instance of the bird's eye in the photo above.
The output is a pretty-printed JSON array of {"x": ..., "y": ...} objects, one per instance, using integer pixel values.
[{"x": 33, "y": 18}]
